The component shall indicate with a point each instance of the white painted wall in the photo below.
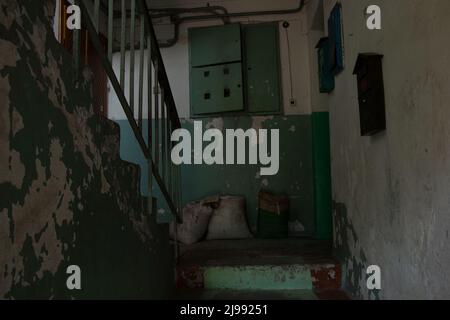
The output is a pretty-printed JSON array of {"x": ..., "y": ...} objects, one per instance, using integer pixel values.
[
  {"x": 314, "y": 11},
  {"x": 395, "y": 186},
  {"x": 302, "y": 42}
]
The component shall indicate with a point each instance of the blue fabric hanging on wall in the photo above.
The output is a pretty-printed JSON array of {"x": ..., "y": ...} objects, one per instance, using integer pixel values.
[{"x": 336, "y": 40}]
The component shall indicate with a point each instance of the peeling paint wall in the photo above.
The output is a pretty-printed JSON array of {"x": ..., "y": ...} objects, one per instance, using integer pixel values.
[
  {"x": 390, "y": 191},
  {"x": 66, "y": 197}
]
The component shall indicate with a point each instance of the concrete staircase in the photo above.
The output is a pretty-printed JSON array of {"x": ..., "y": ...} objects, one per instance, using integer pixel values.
[{"x": 259, "y": 269}]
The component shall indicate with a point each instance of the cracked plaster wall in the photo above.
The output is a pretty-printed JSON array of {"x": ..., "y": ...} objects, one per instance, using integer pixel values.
[
  {"x": 391, "y": 190},
  {"x": 66, "y": 197}
]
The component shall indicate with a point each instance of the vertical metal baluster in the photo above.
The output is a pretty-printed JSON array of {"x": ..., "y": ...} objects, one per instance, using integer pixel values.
[
  {"x": 132, "y": 51},
  {"x": 63, "y": 22},
  {"x": 141, "y": 70},
  {"x": 167, "y": 154},
  {"x": 156, "y": 93},
  {"x": 96, "y": 14},
  {"x": 168, "y": 146},
  {"x": 76, "y": 48},
  {"x": 170, "y": 185},
  {"x": 163, "y": 137},
  {"x": 179, "y": 200},
  {"x": 174, "y": 192},
  {"x": 150, "y": 96},
  {"x": 122, "y": 45},
  {"x": 110, "y": 28},
  {"x": 149, "y": 125},
  {"x": 86, "y": 48},
  {"x": 169, "y": 151}
]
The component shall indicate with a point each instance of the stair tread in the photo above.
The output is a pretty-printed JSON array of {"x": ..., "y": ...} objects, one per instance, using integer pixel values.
[
  {"x": 293, "y": 264},
  {"x": 252, "y": 252}
]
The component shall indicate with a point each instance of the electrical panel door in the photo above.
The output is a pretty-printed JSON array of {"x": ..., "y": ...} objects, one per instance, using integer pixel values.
[
  {"x": 216, "y": 83},
  {"x": 262, "y": 59},
  {"x": 217, "y": 88},
  {"x": 215, "y": 45}
]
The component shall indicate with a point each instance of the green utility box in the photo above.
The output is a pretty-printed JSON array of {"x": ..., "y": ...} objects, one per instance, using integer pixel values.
[{"x": 273, "y": 216}]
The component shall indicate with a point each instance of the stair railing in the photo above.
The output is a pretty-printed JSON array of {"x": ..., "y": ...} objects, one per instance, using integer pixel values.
[{"x": 133, "y": 20}]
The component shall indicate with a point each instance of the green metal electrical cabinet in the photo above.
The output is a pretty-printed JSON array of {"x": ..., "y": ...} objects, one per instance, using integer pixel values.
[
  {"x": 262, "y": 71},
  {"x": 221, "y": 80}
]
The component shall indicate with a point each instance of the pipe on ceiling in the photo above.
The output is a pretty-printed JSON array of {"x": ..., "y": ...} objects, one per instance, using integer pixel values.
[{"x": 175, "y": 13}]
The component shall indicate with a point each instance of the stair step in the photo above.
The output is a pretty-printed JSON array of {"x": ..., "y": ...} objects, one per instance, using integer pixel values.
[
  {"x": 106, "y": 126},
  {"x": 261, "y": 277},
  {"x": 255, "y": 264}
]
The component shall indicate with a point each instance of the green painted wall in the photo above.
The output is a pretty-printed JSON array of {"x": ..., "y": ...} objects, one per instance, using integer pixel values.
[
  {"x": 66, "y": 197},
  {"x": 304, "y": 169},
  {"x": 295, "y": 176},
  {"x": 322, "y": 175}
]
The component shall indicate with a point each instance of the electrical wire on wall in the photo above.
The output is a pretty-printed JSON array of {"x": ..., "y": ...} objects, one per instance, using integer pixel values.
[{"x": 286, "y": 25}]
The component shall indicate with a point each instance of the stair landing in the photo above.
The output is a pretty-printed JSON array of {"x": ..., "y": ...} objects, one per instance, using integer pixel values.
[{"x": 241, "y": 269}]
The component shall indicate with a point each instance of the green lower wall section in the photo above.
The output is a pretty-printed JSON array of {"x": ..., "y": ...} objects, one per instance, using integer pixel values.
[
  {"x": 322, "y": 175},
  {"x": 295, "y": 176}
]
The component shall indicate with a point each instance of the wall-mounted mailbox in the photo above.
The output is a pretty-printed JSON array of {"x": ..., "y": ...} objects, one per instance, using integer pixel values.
[
  {"x": 326, "y": 76},
  {"x": 372, "y": 114}
]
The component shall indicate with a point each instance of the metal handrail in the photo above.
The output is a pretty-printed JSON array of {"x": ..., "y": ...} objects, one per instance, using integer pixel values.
[{"x": 165, "y": 173}]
